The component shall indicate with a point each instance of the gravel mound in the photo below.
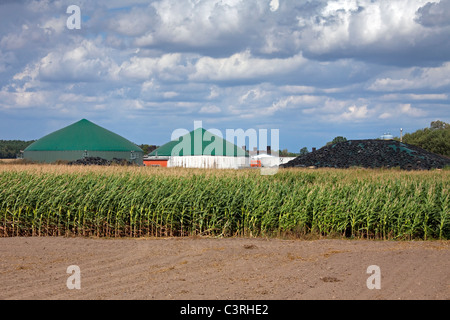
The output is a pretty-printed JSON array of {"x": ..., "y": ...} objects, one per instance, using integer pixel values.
[{"x": 371, "y": 154}]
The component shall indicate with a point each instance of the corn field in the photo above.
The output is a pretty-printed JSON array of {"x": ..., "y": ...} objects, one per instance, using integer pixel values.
[{"x": 45, "y": 200}]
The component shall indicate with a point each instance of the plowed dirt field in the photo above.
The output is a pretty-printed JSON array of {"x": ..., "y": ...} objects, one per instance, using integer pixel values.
[{"x": 227, "y": 268}]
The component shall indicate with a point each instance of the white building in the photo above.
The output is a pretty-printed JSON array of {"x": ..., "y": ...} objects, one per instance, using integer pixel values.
[{"x": 194, "y": 150}]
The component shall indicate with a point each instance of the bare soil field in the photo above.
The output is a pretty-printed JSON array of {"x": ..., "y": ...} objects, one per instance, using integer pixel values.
[{"x": 222, "y": 268}]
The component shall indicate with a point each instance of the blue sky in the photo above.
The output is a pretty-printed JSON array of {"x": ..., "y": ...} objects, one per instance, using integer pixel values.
[{"x": 312, "y": 69}]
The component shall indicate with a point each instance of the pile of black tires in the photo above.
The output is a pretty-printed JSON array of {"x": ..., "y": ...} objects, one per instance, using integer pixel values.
[
  {"x": 97, "y": 161},
  {"x": 371, "y": 154}
]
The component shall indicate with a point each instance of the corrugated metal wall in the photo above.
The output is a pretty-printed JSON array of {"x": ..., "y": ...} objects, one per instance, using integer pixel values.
[
  {"x": 209, "y": 162},
  {"x": 53, "y": 156},
  {"x": 274, "y": 161},
  {"x": 221, "y": 162}
]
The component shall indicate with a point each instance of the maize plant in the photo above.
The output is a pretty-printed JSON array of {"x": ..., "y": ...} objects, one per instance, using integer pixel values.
[{"x": 45, "y": 200}]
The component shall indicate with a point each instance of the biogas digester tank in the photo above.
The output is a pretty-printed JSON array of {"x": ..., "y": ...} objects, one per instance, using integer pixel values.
[{"x": 81, "y": 140}]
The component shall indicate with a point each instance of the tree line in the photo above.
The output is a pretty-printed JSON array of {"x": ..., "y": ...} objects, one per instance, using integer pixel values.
[
  {"x": 10, "y": 149},
  {"x": 435, "y": 139}
]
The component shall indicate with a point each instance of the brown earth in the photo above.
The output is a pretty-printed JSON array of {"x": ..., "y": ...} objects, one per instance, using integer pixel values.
[{"x": 230, "y": 268}]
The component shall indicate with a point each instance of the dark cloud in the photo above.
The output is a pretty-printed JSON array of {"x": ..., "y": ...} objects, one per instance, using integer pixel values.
[
  {"x": 380, "y": 32},
  {"x": 434, "y": 14},
  {"x": 343, "y": 65}
]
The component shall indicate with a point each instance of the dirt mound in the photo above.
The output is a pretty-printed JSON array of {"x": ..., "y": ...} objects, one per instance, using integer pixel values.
[
  {"x": 97, "y": 161},
  {"x": 371, "y": 154}
]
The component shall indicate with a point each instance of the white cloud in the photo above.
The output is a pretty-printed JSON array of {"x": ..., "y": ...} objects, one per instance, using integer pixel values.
[
  {"x": 133, "y": 104},
  {"x": 299, "y": 102},
  {"x": 72, "y": 97},
  {"x": 326, "y": 63},
  {"x": 434, "y": 14},
  {"x": 194, "y": 23},
  {"x": 388, "y": 84},
  {"x": 55, "y": 25},
  {"x": 274, "y": 5},
  {"x": 251, "y": 95},
  {"x": 364, "y": 29},
  {"x": 134, "y": 23},
  {"x": 149, "y": 86},
  {"x": 210, "y": 109},
  {"x": 19, "y": 100},
  {"x": 412, "y": 96},
  {"x": 299, "y": 89},
  {"x": 243, "y": 66},
  {"x": 331, "y": 110},
  {"x": 168, "y": 67},
  {"x": 170, "y": 94},
  {"x": 355, "y": 113},
  {"x": 213, "y": 93},
  {"x": 12, "y": 41},
  {"x": 414, "y": 78},
  {"x": 83, "y": 62},
  {"x": 39, "y": 6},
  {"x": 385, "y": 115},
  {"x": 407, "y": 109},
  {"x": 401, "y": 111},
  {"x": 145, "y": 40}
]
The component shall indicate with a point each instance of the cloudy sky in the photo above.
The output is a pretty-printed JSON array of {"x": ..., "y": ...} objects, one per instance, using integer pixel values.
[{"x": 312, "y": 69}]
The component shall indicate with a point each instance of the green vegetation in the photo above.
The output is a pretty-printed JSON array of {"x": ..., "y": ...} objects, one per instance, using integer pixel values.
[
  {"x": 337, "y": 140},
  {"x": 286, "y": 153},
  {"x": 141, "y": 202},
  {"x": 9, "y": 149},
  {"x": 303, "y": 151},
  {"x": 435, "y": 139},
  {"x": 148, "y": 148}
]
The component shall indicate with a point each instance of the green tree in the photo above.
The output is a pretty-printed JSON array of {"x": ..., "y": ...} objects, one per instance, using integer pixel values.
[
  {"x": 439, "y": 125},
  {"x": 304, "y": 151},
  {"x": 147, "y": 148},
  {"x": 337, "y": 140},
  {"x": 286, "y": 153},
  {"x": 435, "y": 139},
  {"x": 9, "y": 149}
]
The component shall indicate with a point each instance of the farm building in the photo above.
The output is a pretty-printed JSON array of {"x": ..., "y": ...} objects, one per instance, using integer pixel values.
[
  {"x": 387, "y": 136},
  {"x": 80, "y": 140},
  {"x": 152, "y": 161},
  {"x": 267, "y": 158},
  {"x": 270, "y": 160},
  {"x": 199, "y": 149}
]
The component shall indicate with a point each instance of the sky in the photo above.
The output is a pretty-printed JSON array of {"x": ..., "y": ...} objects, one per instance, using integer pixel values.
[{"x": 313, "y": 70}]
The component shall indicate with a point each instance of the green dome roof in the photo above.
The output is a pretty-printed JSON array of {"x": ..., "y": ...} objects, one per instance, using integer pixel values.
[
  {"x": 209, "y": 142},
  {"x": 83, "y": 135}
]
